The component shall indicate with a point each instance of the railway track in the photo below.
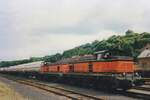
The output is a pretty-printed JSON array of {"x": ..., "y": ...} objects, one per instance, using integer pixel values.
[
  {"x": 138, "y": 96},
  {"x": 137, "y": 92},
  {"x": 145, "y": 88},
  {"x": 146, "y": 80},
  {"x": 70, "y": 94},
  {"x": 60, "y": 91},
  {"x": 142, "y": 92}
]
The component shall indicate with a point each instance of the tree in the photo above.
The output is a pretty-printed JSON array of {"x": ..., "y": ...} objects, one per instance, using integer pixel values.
[
  {"x": 52, "y": 58},
  {"x": 128, "y": 45},
  {"x": 129, "y": 32}
]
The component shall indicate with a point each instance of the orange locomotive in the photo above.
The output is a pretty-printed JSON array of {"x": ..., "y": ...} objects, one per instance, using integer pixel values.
[
  {"x": 114, "y": 66},
  {"x": 99, "y": 71}
]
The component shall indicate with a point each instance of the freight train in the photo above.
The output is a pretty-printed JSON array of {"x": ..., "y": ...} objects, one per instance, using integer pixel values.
[{"x": 100, "y": 71}]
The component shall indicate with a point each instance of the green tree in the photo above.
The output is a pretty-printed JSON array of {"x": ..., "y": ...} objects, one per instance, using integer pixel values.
[{"x": 129, "y": 32}]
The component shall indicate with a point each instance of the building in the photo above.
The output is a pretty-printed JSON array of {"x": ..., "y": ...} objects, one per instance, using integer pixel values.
[
  {"x": 146, "y": 47},
  {"x": 144, "y": 59}
]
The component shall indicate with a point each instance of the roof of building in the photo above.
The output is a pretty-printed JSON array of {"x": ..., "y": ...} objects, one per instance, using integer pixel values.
[
  {"x": 99, "y": 52},
  {"x": 145, "y": 54}
]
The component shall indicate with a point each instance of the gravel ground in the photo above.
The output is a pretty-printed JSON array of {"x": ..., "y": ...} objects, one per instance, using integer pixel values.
[
  {"x": 31, "y": 93},
  {"x": 37, "y": 94}
]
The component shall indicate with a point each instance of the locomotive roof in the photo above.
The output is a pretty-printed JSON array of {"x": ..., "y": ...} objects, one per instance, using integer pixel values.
[
  {"x": 100, "y": 52},
  {"x": 76, "y": 59},
  {"x": 73, "y": 60}
]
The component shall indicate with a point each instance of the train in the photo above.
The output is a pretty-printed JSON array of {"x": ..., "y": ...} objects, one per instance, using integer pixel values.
[{"x": 100, "y": 71}]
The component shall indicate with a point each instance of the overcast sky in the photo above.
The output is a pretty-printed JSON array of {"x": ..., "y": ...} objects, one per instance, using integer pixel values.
[{"x": 40, "y": 27}]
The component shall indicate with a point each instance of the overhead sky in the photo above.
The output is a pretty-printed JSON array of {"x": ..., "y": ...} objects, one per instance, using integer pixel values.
[{"x": 40, "y": 27}]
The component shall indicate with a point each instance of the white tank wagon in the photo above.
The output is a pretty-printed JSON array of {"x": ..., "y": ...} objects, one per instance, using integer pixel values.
[
  {"x": 28, "y": 70},
  {"x": 8, "y": 69},
  {"x": 3, "y": 69},
  {"x": 28, "y": 67}
]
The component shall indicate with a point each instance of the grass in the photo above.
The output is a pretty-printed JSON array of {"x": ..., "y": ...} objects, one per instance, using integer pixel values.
[{"x": 7, "y": 93}]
